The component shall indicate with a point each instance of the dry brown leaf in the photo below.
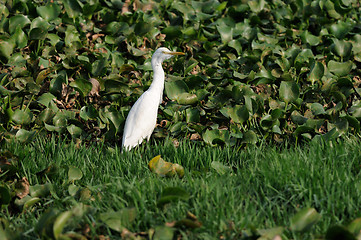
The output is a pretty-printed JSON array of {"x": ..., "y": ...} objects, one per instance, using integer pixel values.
[
  {"x": 22, "y": 188},
  {"x": 163, "y": 123},
  {"x": 125, "y": 7},
  {"x": 170, "y": 224},
  {"x": 175, "y": 143},
  {"x": 96, "y": 36},
  {"x": 102, "y": 237},
  {"x": 126, "y": 234},
  {"x": 196, "y": 137},
  {"x": 191, "y": 216},
  {"x": 95, "y": 87}
]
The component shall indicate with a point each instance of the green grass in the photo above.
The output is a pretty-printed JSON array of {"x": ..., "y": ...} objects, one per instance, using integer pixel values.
[{"x": 265, "y": 188}]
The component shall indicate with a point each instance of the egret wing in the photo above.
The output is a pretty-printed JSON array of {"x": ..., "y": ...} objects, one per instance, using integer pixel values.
[{"x": 141, "y": 120}]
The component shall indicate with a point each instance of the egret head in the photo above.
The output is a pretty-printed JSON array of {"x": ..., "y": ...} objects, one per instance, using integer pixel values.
[{"x": 162, "y": 54}]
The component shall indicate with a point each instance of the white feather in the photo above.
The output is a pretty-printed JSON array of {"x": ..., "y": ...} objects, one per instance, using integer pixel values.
[{"x": 142, "y": 117}]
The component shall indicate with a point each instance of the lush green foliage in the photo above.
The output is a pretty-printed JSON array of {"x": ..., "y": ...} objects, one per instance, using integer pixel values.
[
  {"x": 254, "y": 69},
  {"x": 58, "y": 190}
]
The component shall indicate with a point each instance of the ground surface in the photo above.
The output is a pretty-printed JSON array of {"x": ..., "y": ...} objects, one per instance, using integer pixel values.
[{"x": 264, "y": 187}]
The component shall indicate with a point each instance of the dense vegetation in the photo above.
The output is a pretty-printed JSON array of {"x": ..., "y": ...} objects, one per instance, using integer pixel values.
[{"x": 254, "y": 70}]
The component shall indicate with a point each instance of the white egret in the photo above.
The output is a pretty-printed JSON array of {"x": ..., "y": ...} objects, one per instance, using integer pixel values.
[{"x": 142, "y": 117}]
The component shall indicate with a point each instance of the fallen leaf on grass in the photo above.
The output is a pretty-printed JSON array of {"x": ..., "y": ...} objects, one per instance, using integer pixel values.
[
  {"x": 303, "y": 220},
  {"x": 272, "y": 233},
  {"x": 126, "y": 234},
  {"x": 120, "y": 219},
  {"x": 22, "y": 188},
  {"x": 163, "y": 232},
  {"x": 165, "y": 169},
  {"x": 220, "y": 167}
]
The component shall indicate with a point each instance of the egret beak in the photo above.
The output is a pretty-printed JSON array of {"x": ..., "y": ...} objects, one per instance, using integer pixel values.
[{"x": 175, "y": 53}]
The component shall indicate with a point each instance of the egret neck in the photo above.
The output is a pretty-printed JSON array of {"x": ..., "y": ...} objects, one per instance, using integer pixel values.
[{"x": 158, "y": 78}]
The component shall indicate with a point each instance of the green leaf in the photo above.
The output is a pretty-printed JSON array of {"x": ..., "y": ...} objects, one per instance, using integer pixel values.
[
  {"x": 236, "y": 45},
  {"x": 317, "y": 72},
  {"x": 60, "y": 223},
  {"x": 82, "y": 85},
  {"x": 53, "y": 38},
  {"x": 187, "y": 98},
  {"x": 192, "y": 115},
  {"x": 163, "y": 233},
  {"x": 192, "y": 63},
  {"x": 18, "y": 21},
  {"x": 25, "y": 136},
  {"x": 46, "y": 98},
  {"x": 215, "y": 136},
  {"x": 340, "y": 69},
  {"x": 304, "y": 220},
  {"x": 88, "y": 112},
  {"x": 272, "y": 233},
  {"x": 317, "y": 109},
  {"x": 74, "y": 131},
  {"x": 172, "y": 194},
  {"x": 353, "y": 122},
  {"x": 49, "y": 12},
  {"x": 31, "y": 202},
  {"x": 177, "y": 128},
  {"x": 226, "y": 33},
  {"x": 74, "y": 174},
  {"x": 6, "y": 48},
  {"x": 355, "y": 226},
  {"x": 220, "y": 168},
  {"x": 119, "y": 220},
  {"x": 341, "y": 48},
  {"x": 175, "y": 88},
  {"x": 297, "y": 118},
  {"x": 250, "y": 137},
  {"x": 18, "y": 60},
  {"x": 71, "y": 35},
  {"x": 267, "y": 121},
  {"x": 330, "y": 8},
  {"x": 37, "y": 34},
  {"x": 331, "y": 135},
  {"x": 142, "y": 28},
  {"x": 289, "y": 91},
  {"x": 72, "y": 8},
  {"x": 99, "y": 67},
  {"x": 340, "y": 29},
  {"x": 20, "y": 37},
  {"x": 172, "y": 32},
  {"x": 73, "y": 189},
  {"x": 256, "y": 5},
  {"x": 239, "y": 114},
  {"x": 39, "y": 190},
  {"x": 40, "y": 23},
  {"x": 113, "y": 86},
  {"x": 356, "y": 44},
  {"x": 309, "y": 38},
  {"x": 342, "y": 125},
  {"x": 22, "y": 117},
  {"x": 115, "y": 117}
]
